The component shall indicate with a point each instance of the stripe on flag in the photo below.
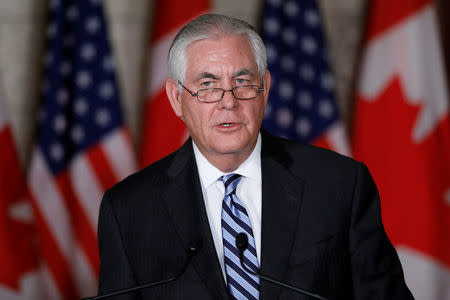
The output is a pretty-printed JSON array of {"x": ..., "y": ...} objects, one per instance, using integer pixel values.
[
  {"x": 86, "y": 187},
  {"x": 119, "y": 152}
]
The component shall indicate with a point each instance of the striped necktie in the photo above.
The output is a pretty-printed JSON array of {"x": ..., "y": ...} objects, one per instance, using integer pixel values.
[{"x": 235, "y": 220}]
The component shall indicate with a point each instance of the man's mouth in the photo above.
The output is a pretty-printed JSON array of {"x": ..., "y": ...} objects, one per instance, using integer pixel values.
[{"x": 227, "y": 124}]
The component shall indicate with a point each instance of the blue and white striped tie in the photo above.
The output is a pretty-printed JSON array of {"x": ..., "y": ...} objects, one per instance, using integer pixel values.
[{"x": 235, "y": 220}]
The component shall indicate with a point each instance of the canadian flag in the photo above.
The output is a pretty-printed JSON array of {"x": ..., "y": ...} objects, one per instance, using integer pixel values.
[
  {"x": 402, "y": 132},
  {"x": 162, "y": 131},
  {"x": 18, "y": 260}
]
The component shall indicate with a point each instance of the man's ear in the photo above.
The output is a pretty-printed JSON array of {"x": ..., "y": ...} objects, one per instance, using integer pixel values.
[
  {"x": 174, "y": 96},
  {"x": 267, "y": 82}
]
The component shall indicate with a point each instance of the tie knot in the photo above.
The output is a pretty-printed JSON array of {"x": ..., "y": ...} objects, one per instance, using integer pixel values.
[{"x": 230, "y": 182}]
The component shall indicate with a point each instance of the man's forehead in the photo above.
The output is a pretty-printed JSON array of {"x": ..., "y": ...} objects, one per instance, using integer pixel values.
[
  {"x": 221, "y": 37},
  {"x": 216, "y": 45},
  {"x": 213, "y": 58}
]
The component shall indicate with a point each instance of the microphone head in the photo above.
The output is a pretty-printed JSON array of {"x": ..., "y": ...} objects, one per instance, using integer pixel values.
[{"x": 241, "y": 242}]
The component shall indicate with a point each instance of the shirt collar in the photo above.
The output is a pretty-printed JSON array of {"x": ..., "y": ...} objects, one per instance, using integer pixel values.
[{"x": 250, "y": 168}]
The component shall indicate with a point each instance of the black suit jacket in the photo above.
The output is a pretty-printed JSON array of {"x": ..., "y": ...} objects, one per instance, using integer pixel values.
[{"x": 321, "y": 229}]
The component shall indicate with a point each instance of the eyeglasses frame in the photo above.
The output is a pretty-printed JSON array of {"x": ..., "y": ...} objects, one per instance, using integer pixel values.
[{"x": 259, "y": 89}]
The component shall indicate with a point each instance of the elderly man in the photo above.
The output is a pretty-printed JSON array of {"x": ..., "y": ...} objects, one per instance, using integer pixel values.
[{"x": 311, "y": 216}]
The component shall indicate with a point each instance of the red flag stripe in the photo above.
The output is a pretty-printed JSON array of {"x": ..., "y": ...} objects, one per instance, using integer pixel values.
[
  {"x": 84, "y": 233},
  {"x": 85, "y": 276},
  {"x": 120, "y": 153},
  {"x": 87, "y": 187},
  {"x": 53, "y": 258},
  {"x": 53, "y": 202},
  {"x": 49, "y": 201},
  {"x": 104, "y": 165},
  {"x": 101, "y": 167},
  {"x": 78, "y": 191}
]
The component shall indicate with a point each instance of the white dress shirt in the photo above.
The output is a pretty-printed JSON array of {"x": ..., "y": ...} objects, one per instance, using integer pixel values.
[{"x": 248, "y": 191}]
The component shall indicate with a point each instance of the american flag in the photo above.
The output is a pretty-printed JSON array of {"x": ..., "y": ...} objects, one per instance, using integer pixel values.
[
  {"x": 82, "y": 146},
  {"x": 302, "y": 104}
]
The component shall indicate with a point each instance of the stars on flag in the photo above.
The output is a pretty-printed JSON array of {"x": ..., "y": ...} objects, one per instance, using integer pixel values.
[
  {"x": 301, "y": 104},
  {"x": 82, "y": 68}
]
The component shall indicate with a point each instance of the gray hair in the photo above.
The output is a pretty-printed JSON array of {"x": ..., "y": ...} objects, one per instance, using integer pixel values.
[{"x": 212, "y": 26}]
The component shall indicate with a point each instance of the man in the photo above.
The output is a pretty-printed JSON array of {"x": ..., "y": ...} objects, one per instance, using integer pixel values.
[{"x": 312, "y": 217}]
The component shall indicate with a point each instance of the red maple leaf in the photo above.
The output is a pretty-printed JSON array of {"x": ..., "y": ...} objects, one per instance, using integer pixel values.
[
  {"x": 17, "y": 248},
  {"x": 412, "y": 177}
]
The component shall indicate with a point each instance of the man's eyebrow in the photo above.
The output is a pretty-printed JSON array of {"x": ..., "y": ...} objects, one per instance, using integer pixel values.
[
  {"x": 241, "y": 72},
  {"x": 207, "y": 75}
]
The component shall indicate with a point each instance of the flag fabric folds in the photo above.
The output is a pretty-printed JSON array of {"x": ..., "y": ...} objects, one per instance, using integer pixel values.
[
  {"x": 302, "y": 104},
  {"x": 162, "y": 131},
  {"x": 402, "y": 132},
  {"x": 18, "y": 257},
  {"x": 82, "y": 146}
]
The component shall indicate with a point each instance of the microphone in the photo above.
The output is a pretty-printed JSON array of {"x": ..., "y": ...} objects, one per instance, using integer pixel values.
[
  {"x": 242, "y": 244},
  {"x": 191, "y": 252}
]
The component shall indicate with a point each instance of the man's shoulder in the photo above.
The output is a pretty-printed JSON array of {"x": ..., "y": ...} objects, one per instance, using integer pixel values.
[
  {"x": 317, "y": 155},
  {"x": 309, "y": 159},
  {"x": 152, "y": 177}
]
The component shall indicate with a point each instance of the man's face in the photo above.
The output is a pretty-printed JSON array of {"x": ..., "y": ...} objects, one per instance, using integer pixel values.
[{"x": 229, "y": 126}]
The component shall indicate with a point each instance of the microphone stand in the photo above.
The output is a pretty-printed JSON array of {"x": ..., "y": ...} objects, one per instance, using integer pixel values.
[
  {"x": 192, "y": 251},
  {"x": 242, "y": 244}
]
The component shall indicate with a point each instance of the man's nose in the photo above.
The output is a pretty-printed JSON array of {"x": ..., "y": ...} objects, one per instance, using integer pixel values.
[{"x": 229, "y": 101}]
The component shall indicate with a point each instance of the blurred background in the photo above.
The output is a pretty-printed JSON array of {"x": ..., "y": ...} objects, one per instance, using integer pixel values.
[
  {"x": 352, "y": 53},
  {"x": 22, "y": 40}
]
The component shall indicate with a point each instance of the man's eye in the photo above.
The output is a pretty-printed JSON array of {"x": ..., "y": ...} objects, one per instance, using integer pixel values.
[
  {"x": 206, "y": 84},
  {"x": 240, "y": 81}
]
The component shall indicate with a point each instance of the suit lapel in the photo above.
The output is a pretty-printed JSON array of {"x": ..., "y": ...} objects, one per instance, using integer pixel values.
[
  {"x": 185, "y": 204},
  {"x": 281, "y": 203}
]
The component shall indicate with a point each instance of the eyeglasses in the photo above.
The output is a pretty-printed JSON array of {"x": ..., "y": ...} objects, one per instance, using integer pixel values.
[{"x": 211, "y": 95}]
